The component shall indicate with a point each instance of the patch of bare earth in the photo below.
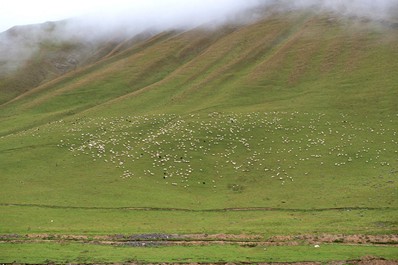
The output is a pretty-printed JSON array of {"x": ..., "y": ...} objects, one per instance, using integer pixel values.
[{"x": 204, "y": 239}]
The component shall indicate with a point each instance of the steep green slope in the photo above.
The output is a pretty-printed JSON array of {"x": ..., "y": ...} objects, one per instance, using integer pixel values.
[
  {"x": 268, "y": 65},
  {"x": 293, "y": 119},
  {"x": 35, "y": 54}
]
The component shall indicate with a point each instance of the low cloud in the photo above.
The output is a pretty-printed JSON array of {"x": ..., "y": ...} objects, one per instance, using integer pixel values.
[
  {"x": 133, "y": 17},
  {"x": 372, "y": 9},
  {"x": 166, "y": 15},
  {"x": 108, "y": 22}
]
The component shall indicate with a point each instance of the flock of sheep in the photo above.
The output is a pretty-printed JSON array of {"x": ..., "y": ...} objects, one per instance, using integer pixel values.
[{"x": 202, "y": 149}]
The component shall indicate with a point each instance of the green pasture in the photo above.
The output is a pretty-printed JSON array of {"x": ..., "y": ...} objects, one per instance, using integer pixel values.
[
  {"x": 73, "y": 252},
  {"x": 82, "y": 221},
  {"x": 308, "y": 173},
  {"x": 278, "y": 160}
]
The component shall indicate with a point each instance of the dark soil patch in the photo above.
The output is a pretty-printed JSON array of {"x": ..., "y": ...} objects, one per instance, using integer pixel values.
[{"x": 159, "y": 239}]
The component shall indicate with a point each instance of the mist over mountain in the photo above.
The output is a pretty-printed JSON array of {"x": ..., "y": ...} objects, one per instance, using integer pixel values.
[
  {"x": 129, "y": 18},
  {"x": 177, "y": 14},
  {"x": 183, "y": 15},
  {"x": 170, "y": 13},
  {"x": 20, "y": 43},
  {"x": 379, "y": 9},
  {"x": 34, "y": 53}
]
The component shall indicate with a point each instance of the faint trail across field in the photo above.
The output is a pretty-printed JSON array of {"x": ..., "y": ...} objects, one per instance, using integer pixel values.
[{"x": 248, "y": 209}]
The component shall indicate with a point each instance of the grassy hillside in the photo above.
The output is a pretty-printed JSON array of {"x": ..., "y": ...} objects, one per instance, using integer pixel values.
[
  {"x": 306, "y": 62},
  {"x": 35, "y": 54},
  {"x": 285, "y": 126}
]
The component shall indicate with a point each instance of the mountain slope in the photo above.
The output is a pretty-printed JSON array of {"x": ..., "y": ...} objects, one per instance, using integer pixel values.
[
  {"x": 266, "y": 64},
  {"x": 35, "y": 54},
  {"x": 292, "y": 119}
]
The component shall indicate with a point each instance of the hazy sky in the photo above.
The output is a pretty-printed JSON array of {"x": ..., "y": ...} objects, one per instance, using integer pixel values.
[
  {"x": 162, "y": 12},
  {"x": 22, "y": 12}
]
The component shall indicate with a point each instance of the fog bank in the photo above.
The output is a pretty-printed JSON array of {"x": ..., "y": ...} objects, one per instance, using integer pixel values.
[{"x": 91, "y": 21}]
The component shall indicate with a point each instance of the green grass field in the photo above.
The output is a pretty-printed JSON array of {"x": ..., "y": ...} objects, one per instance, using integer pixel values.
[
  {"x": 64, "y": 253},
  {"x": 283, "y": 127}
]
